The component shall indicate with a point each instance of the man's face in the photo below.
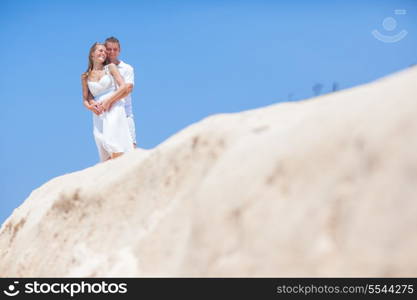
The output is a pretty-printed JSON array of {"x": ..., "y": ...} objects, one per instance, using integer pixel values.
[{"x": 113, "y": 50}]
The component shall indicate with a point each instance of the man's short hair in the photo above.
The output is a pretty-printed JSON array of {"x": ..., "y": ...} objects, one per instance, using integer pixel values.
[{"x": 112, "y": 39}]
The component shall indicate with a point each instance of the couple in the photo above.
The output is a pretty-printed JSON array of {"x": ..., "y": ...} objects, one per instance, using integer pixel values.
[{"x": 106, "y": 86}]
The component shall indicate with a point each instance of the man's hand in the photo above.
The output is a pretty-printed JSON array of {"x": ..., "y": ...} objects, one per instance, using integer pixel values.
[{"x": 106, "y": 105}]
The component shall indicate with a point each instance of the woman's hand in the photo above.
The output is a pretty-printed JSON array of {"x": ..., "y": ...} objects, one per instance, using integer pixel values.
[{"x": 95, "y": 107}]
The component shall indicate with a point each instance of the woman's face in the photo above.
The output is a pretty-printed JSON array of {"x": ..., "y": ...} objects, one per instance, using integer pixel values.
[{"x": 99, "y": 54}]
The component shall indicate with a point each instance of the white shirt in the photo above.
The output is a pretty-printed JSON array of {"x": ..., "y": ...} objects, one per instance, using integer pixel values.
[{"x": 128, "y": 75}]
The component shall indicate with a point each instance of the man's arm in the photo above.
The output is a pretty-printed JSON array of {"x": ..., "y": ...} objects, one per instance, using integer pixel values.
[
  {"x": 128, "y": 90},
  {"x": 90, "y": 97},
  {"x": 122, "y": 88}
]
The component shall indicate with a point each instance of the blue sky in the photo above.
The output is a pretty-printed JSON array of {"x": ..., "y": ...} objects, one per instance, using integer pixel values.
[{"x": 191, "y": 58}]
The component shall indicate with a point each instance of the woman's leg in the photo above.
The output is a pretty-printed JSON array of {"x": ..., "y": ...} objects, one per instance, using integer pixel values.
[{"x": 116, "y": 154}]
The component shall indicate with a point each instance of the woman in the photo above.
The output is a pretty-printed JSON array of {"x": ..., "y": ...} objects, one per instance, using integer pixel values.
[{"x": 111, "y": 129}]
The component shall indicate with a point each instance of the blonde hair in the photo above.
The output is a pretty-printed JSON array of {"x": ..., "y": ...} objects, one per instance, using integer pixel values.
[{"x": 90, "y": 60}]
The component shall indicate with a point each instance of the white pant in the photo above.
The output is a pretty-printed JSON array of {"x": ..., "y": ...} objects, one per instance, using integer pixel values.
[{"x": 131, "y": 123}]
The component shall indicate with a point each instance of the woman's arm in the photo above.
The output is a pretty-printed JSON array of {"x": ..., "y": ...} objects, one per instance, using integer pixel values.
[
  {"x": 87, "y": 95},
  {"x": 122, "y": 90}
]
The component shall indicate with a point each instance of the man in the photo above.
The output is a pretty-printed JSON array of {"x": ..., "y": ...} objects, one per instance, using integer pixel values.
[{"x": 126, "y": 71}]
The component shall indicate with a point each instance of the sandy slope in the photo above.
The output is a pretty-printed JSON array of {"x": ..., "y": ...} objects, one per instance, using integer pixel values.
[{"x": 324, "y": 187}]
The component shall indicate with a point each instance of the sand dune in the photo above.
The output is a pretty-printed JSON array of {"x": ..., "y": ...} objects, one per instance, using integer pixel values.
[{"x": 322, "y": 187}]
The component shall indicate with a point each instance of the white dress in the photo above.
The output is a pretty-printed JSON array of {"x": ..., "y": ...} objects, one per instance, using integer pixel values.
[{"x": 111, "y": 128}]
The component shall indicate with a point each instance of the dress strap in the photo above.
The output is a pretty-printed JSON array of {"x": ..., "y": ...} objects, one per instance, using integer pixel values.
[{"x": 107, "y": 72}]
